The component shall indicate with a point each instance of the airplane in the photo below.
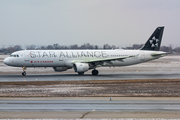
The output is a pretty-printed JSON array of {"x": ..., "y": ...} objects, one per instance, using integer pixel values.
[{"x": 84, "y": 60}]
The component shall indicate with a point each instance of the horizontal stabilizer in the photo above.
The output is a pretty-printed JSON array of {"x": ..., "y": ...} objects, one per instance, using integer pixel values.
[{"x": 159, "y": 54}]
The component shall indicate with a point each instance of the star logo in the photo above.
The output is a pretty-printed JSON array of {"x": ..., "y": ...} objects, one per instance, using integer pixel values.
[{"x": 154, "y": 42}]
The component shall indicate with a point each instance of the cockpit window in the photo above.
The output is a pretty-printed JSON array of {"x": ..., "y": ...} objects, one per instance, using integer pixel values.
[{"x": 14, "y": 55}]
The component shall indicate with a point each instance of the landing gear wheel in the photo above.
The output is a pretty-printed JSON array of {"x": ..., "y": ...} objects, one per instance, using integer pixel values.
[
  {"x": 24, "y": 73},
  {"x": 95, "y": 72},
  {"x": 81, "y": 73}
]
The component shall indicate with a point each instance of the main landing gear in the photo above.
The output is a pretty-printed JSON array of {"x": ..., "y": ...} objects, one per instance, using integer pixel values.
[
  {"x": 24, "y": 71},
  {"x": 95, "y": 72}
]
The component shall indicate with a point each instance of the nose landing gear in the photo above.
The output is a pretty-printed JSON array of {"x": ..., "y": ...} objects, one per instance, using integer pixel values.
[
  {"x": 24, "y": 71},
  {"x": 81, "y": 73}
]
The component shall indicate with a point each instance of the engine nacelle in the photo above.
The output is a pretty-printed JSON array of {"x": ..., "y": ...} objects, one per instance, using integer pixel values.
[
  {"x": 60, "y": 69},
  {"x": 81, "y": 67}
]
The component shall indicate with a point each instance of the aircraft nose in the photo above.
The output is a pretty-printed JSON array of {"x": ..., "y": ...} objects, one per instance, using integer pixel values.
[{"x": 6, "y": 61}]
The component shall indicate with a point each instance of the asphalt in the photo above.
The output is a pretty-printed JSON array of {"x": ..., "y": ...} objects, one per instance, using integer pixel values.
[
  {"x": 89, "y": 105},
  {"x": 75, "y": 77}
]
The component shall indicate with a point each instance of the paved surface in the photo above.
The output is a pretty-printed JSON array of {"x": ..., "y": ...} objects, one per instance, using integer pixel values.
[
  {"x": 74, "y": 77},
  {"x": 88, "y": 105},
  {"x": 73, "y": 109}
]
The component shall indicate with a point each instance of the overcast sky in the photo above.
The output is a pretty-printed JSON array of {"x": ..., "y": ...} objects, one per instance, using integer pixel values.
[{"x": 67, "y": 22}]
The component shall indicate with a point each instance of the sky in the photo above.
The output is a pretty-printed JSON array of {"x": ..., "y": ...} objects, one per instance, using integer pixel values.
[{"x": 98, "y": 22}]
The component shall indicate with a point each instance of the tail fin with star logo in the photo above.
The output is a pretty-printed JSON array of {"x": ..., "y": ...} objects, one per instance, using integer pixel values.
[{"x": 154, "y": 42}]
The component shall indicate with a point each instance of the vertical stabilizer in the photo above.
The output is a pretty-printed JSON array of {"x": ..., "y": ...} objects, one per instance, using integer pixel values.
[{"x": 154, "y": 42}]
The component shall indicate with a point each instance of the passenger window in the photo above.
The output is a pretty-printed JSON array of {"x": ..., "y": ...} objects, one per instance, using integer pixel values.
[
  {"x": 17, "y": 55},
  {"x": 14, "y": 55}
]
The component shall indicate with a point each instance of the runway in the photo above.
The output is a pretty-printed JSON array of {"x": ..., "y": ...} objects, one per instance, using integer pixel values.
[
  {"x": 164, "y": 68},
  {"x": 89, "y": 105},
  {"x": 75, "y": 77}
]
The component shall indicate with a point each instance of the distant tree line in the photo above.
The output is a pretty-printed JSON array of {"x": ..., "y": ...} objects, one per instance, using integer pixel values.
[
  {"x": 10, "y": 49},
  {"x": 61, "y": 47},
  {"x": 56, "y": 46}
]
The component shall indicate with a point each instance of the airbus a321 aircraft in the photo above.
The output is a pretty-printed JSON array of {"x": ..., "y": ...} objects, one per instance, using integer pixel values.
[{"x": 84, "y": 60}]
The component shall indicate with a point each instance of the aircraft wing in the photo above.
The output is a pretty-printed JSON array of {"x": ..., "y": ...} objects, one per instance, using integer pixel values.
[{"x": 104, "y": 60}]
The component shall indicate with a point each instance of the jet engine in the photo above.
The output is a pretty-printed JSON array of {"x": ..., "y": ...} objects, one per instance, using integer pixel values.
[
  {"x": 60, "y": 69},
  {"x": 81, "y": 67}
]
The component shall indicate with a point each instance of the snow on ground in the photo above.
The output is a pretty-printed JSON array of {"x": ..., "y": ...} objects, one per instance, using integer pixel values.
[{"x": 47, "y": 89}]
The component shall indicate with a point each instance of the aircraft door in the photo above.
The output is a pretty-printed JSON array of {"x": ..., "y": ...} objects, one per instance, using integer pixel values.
[
  {"x": 60, "y": 58},
  {"x": 142, "y": 56},
  {"x": 26, "y": 56}
]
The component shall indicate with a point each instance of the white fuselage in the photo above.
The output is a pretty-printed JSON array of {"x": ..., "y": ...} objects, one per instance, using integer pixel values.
[
  {"x": 65, "y": 58},
  {"x": 84, "y": 60}
]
